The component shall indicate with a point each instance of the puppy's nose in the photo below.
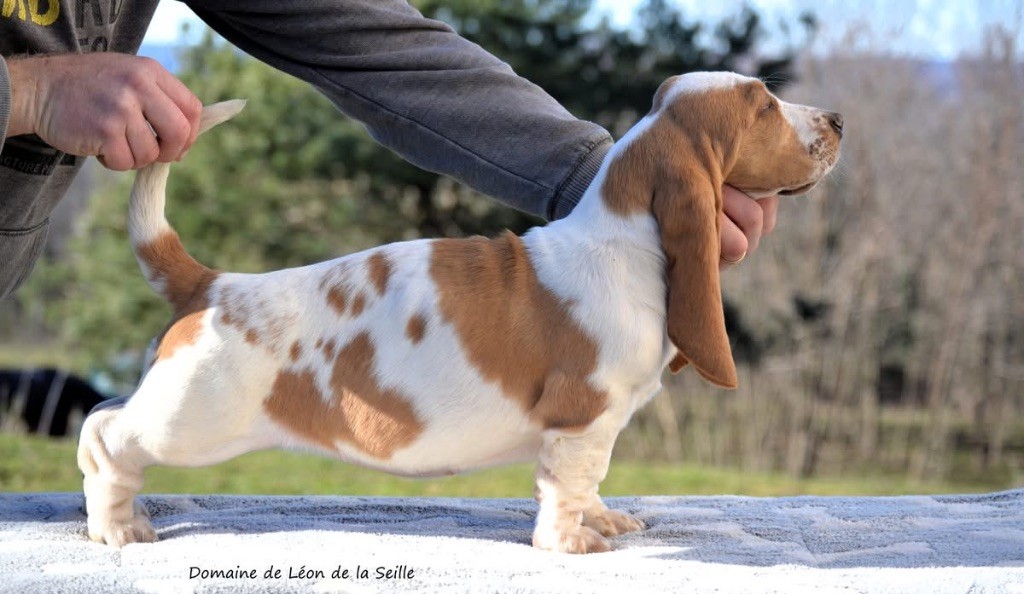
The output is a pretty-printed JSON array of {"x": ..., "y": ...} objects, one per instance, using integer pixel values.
[{"x": 836, "y": 121}]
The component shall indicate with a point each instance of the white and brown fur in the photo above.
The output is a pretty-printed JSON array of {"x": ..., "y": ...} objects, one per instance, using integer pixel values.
[{"x": 435, "y": 357}]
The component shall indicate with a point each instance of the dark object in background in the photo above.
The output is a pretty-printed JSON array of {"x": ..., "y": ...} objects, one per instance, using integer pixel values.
[
  {"x": 45, "y": 399},
  {"x": 810, "y": 310},
  {"x": 745, "y": 344}
]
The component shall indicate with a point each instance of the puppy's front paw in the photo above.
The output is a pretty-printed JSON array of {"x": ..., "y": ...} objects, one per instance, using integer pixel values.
[
  {"x": 577, "y": 540},
  {"x": 118, "y": 534},
  {"x": 612, "y": 522}
]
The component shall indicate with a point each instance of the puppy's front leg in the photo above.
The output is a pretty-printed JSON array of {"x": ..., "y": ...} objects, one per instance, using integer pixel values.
[
  {"x": 609, "y": 522},
  {"x": 568, "y": 473}
]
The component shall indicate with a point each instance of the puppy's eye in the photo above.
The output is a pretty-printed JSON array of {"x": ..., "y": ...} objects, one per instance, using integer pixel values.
[{"x": 769, "y": 106}]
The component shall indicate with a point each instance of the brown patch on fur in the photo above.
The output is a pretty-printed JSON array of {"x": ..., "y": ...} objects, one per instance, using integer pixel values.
[
  {"x": 359, "y": 411},
  {"x": 319, "y": 344},
  {"x": 168, "y": 263},
  {"x": 379, "y": 271},
  {"x": 336, "y": 299},
  {"x": 184, "y": 327},
  {"x": 515, "y": 331},
  {"x": 295, "y": 351},
  {"x": 234, "y": 311},
  {"x": 335, "y": 284},
  {"x": 416, "y": 328},
  {"x": 329, "y": 349},
  {"x": 186, "y": 285},
  {"x": 240, "y": 312},
  {"x": 381, "y": 419},
  {"x": 358, "y": 304},
  {"x": 277, "y": 329}
]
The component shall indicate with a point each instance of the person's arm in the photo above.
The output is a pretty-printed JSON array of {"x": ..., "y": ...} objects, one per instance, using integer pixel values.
[
  {"x": 5, "y": 101},
  {"x": 440, "y": 101}
]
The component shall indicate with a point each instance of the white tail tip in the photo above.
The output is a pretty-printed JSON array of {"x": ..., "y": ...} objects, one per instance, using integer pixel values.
[{"x": 219, "y": 112}]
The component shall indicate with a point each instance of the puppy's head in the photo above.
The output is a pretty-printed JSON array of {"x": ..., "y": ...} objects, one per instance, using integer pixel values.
[
  {"x": 707, "y": 129},
  {"x": 764, "y": 145}
]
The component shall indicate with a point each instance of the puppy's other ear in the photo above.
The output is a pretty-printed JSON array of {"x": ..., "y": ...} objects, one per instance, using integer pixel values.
[{"x": 687, "y": 207}]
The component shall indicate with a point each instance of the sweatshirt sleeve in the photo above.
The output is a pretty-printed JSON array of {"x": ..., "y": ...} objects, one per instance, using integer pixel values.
[
  {"x": 5, "y": 101},
  {"x": 440, "y": 101}
]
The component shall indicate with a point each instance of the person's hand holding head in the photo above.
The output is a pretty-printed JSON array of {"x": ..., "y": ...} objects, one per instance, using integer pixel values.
[{"x": 744, "y": 222}]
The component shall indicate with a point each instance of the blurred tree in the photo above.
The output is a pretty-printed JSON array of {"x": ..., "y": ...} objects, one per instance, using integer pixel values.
[
  {"x": 609, "y": 75},
  {"x": 291, "y": 181}
]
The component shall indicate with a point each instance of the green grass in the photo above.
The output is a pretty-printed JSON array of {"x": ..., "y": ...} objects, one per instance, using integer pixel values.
[
  {"x": 20, "y": 355},
  {"x": 30, "y": 463}
]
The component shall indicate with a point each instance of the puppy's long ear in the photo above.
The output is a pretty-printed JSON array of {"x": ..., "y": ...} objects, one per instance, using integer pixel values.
[{"x": 687, "y": 208}]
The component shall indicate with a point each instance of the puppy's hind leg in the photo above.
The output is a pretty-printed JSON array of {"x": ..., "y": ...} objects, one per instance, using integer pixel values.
[{"x": 112, "y": 461}]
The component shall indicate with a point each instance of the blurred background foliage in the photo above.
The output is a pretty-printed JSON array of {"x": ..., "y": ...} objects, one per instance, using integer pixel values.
[{"x": 879, "y": 332}]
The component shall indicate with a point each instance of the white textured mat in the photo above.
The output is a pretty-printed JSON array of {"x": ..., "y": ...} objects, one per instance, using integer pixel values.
[{"x": 965, "y": 544}]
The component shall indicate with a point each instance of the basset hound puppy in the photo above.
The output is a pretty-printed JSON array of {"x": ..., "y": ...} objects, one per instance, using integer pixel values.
[{"x": 434, "y": 357}]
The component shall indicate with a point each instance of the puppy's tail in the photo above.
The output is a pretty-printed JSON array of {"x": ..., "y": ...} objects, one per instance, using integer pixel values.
[{"x": 170, "y": 270}]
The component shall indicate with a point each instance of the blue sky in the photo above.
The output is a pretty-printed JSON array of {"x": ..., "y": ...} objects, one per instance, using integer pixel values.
[{"x": 936, "y": 29}]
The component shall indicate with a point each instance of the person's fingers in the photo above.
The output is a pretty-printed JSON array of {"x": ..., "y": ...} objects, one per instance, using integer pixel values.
[
  {"x": 142, "y": 142},
  {"x": 116, "y": 157},
  {"x": 99, "y": 104},
  {"x": 170, "y": 125},
  {"x": 188, "y": 105},
  {"x": 770, "y": 206},
  {"x": 745, "y": 212},
  {"x": 734, "y": 242},
  {"x": 114, "y": 152}
]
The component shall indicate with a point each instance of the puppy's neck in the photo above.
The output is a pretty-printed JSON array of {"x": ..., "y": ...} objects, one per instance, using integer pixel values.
[
  {"x": 592, "y": 223},
  {"x": 599, "y": 218},
  {"x": 650, "y": 157}
]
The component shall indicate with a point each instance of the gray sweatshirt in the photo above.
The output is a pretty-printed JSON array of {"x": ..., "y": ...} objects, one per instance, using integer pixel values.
[{"x": 440, "y": 101}]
